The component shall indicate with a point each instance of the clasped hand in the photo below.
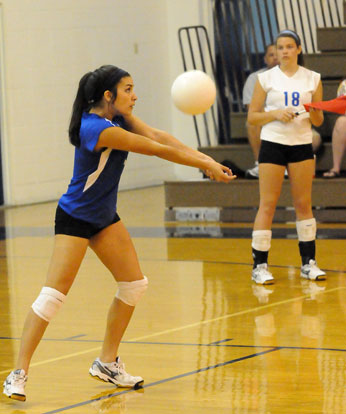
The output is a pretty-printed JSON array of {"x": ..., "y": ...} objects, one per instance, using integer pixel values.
[
  {"x": 219, "y": 172},
  {"x": 284, "y": 115}
]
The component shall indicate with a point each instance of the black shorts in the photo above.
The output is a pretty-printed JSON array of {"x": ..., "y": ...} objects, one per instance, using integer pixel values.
[
  {"x": 273, "y": 153},
  {"x": 66, "y": 224}
]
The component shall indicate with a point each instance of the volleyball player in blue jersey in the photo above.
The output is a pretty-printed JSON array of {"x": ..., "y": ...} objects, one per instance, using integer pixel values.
[{"x": 103, "y": 130}]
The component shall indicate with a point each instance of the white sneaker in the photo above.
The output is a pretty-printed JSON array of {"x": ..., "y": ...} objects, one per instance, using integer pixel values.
[
  {"x": 115, "y": 373},
  {"x": 312, "y": 272},
  {"x": 14, "y": 385},
  {"x": 252, "y": 172},
  {"x": 261, "y": 275}
]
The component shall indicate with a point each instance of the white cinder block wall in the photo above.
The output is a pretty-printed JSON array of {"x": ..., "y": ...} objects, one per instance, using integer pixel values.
[{"x": 47, "y": 45}]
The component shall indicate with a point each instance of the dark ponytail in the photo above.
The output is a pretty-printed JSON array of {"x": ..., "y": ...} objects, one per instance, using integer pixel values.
[
  {"x": 89, "y": 94},
  {"x": 292, "y": 34},
  {"x": 79, "y": 106}
]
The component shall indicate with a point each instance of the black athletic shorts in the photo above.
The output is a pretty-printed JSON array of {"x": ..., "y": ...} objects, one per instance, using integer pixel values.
[
  {"x": 273, "y": 153},
  {"x": 66, "y": 224}
]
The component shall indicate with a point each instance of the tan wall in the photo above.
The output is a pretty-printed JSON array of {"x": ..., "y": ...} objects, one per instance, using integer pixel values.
[{"x": 47, "y": 46}]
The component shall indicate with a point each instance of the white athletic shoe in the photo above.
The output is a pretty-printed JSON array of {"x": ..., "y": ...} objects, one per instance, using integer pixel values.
[
  {"x": 261, "y": 275},
  {"x": 115, "y": 373},
  {"x": 14, "y": 385},
  {"x": 312, "y": 272},
  {"x": 252, "y": 172}
]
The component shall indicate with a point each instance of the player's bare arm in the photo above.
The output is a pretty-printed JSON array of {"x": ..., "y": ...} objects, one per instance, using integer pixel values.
[
  {"x": 118, "y": 138},
  {"x": 137, "y": 126},
  {"x": 316, "y": 115}
]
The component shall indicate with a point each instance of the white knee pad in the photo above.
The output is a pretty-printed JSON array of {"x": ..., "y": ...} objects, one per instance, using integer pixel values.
[
  {"x": 306, "y": 230},
  {"x": 48, "y": 302},
  {"x": 261, "y": 240},
  {"x": 131, "y": 292}
]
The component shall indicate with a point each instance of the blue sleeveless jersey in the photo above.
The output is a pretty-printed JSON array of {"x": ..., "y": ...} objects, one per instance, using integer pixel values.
[{"x": 92, "y": 193}]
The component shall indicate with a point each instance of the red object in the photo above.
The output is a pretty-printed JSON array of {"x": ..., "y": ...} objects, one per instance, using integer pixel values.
[{"x": 337, "y": 105}]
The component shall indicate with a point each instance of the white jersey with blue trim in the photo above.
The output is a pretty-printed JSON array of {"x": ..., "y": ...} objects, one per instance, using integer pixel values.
[
  {"x": 92, "y": 193},
  {"x": 288, "y": 92}
]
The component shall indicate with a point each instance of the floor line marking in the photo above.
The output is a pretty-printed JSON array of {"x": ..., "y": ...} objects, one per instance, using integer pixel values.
[
  {"x": 221, "y": 344},
  {"x": 243, "y": 312},
  {"x": 241, "y": 264},
  {"x": 180, "y": 328},
  {"x": 186, "y": 374}
]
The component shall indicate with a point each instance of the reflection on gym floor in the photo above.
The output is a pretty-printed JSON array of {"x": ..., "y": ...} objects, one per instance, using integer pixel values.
[{"x": 205, "y": 338}]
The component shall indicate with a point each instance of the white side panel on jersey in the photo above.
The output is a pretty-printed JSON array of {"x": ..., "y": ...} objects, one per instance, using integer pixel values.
[{"x": 95, "y": 175}]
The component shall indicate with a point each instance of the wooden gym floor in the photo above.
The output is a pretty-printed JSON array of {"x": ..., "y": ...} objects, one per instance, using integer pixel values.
[{"x": 204, "y": 337}]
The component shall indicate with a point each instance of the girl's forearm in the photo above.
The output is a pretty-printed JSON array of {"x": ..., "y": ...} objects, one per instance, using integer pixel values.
[{"x": 261, "y": 118}]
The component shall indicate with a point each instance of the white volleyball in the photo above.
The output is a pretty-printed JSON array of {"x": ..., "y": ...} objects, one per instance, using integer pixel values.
[{"x": 193, "y": 92}]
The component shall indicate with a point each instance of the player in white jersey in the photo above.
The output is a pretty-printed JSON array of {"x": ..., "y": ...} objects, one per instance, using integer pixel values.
[
  {"x": 286, "y": 142},
  {"x": 102, "y": 129}
]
